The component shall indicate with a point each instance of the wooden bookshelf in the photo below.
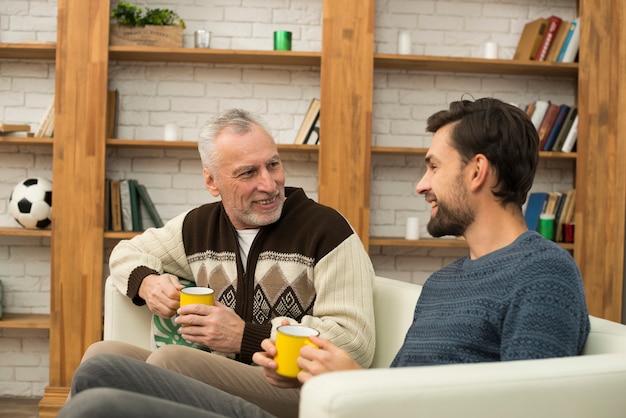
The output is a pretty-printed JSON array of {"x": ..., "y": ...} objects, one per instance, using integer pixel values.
[
  {"x": 214, "y": 56},
  {"x": 422, "y": 151},
  {"x": 23, "y": 232},
  {"x": 192, "y": 145},
  {"x": 25, "y": 321},
  {"x": 28, "y": 50},
  {"x": 434, "y": 243},
  {"x": 474, "y": 65}
]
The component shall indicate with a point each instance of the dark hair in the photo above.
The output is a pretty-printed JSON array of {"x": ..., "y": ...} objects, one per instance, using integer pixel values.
[{"x": 501, "y": 132}]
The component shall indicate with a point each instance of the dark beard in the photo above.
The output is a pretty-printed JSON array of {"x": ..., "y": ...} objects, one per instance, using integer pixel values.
[{"x": 449, "y": 221}]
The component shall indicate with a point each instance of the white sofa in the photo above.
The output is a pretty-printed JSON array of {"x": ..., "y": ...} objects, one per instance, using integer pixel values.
[{"x": 590, "y": 385}]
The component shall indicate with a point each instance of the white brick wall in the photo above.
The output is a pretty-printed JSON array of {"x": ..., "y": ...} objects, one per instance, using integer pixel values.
[{"x": 152, "y": 94}]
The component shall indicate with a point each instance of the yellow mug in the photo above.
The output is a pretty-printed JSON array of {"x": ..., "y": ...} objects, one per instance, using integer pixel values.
[
  {"x": 191, "y": 295},
  {"x": 289, "y": 340}
]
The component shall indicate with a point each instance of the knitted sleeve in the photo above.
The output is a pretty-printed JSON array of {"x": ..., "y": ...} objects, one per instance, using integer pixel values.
[
  {"x": 155, "y": 251},
  {"x": 547, "y": 316},
  {"x": 343, "y": 310}
]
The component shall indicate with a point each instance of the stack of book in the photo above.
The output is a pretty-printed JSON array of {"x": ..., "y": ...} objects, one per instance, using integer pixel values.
[
  {"x": 559, "y": 204},
  {"x": 128, "y": 206},
  {"x": 46, "y": 126},
  {"x": 13, "y": 128},
  {"x": 557, "y": 125},
  {"x": 549, "y": 39},
  {"x": 309, "y": 132}
]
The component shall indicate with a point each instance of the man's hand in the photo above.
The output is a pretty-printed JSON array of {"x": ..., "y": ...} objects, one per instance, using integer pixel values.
[
  {"x": 217, "y": 327},
  {"x": 161, "y": 294},
  {"x": 313, "y": 361}
]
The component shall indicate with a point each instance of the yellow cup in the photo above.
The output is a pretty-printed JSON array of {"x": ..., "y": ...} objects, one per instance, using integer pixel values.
[
  {"x": 289, "y": 340},
  {"x": 191, "y": 295}
]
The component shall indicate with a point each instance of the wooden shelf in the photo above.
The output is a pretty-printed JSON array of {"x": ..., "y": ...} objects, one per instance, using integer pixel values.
[
  {"x": 474, "y": 65},
  {"x": 28, "y": 50},
  {"x": 422, "y": 242},
  {"x": 423, "y": 151},
  {"x": 26, "y": 321},
  {"x": 214, "y": 56},
  {"x": 22, "y": 232},
  {"x": 435, "y": 243},
  {"x": 162, "y": 144},
  {"x": 25, "y": 140}
]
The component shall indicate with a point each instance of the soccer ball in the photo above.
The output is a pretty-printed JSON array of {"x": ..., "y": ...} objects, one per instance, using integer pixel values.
[{"x": 31, "y": 203}]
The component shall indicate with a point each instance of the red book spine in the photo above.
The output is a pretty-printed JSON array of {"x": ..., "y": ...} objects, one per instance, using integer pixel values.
[{"x": 553, "y": 26}]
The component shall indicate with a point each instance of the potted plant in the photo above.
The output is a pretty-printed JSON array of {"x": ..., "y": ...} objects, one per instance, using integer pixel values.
[{"x": 149, "y": 27}]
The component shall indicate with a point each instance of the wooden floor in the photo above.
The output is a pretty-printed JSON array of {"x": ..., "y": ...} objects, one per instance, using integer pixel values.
[{"x": 19, "y": 408}]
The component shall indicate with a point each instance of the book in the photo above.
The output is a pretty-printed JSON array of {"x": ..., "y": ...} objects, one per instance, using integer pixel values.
[
  {"x": 148, "y": 204},
  {"x": 308, "y": 122},
  {"x": 567, "y": 124},
  {"x": 111, "y": 115},
  {"x": 546, "y": 124},
  {"x": 46, "y": 125},
  {"x": 573, "y": 29},
  {"x": 127, "y": 210},
  {"x": 551, "y": 203},
  {"x": 535, "y": 207},
  {"x": 556, "y": 127},
  {"x": 314, "y": 136},
  {"x": 572, "y": 135},
  {"x": 557, "y": 43},
  {"x": 116, "y": 205},
  {"x": 530, "y": 39},
  {"x": 107, "y": 204},
  {"x": 571, "y": 52},
  {"x": 541, "y": 107},
  {"x": 12, "y": 127},
  {"x": 530, "y": 108},
  {"x": 564, "y": 204},
  {"x": 554, "y": 22},
  {"x": 134, "y": 206}
]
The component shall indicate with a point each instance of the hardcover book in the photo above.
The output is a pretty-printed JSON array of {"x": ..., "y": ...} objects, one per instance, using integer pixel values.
[
  {"x": 547, "y": 123},
  {"x": 308, "y": 123},
  {"x": 556, "y": 127},
  {"x": 530, "y": 39},
  {"x": 554, "y": 22},
  {"x": 534, "y": 207}
]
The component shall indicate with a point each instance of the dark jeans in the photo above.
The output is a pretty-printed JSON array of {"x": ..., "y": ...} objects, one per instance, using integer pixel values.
[{"x": 116, "y": 386}]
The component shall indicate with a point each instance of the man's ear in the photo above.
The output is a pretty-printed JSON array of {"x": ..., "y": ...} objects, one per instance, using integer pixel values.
[
  {"x": 210, "y": 183},
  {"x": 480, "y": 172}
]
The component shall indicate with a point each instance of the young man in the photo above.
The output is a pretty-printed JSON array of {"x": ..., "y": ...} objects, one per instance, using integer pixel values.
[
  {"x": 516, "y": 296},
  {"x": 269, "y": 253}
]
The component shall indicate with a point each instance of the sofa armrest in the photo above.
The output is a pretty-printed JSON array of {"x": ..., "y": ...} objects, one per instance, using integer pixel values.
[
  {"x": 582, "y": 386},
  {"x": 123, "y": 320}
]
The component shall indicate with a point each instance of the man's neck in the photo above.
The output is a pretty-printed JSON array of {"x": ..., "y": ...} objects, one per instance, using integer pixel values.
[{"x": 493, "y": 231}]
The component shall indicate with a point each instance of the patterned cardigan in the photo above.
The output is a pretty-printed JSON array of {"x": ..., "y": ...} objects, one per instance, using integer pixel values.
[{"x": 309, "y": 267}]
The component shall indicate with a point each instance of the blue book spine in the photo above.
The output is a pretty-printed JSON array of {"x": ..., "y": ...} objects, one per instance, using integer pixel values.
[
  {"x": 556, "y": 128},
  {"x": 536, "y": 205},
  {"x": 566, "y": 42}
]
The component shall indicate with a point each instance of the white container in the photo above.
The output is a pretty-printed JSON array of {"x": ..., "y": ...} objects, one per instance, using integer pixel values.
[
  {"x": 491, "y": 50},
  {"x": 202, "y": 38},
  {"x": 170, "y": 132},
  {"x": 412, "y": 228},
  {"x": 404, "y": 42}
]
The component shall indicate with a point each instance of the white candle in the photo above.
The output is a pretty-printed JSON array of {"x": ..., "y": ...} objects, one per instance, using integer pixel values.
[
  {"x": 404, "y": 42},
  {"x": 170, "y": 132},
  {"x": 491, "y": 50},
  {"x": 412, "y": 228}
]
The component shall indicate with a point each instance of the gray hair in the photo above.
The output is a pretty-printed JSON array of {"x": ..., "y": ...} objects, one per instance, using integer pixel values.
[{"x": 237, "y": 121}]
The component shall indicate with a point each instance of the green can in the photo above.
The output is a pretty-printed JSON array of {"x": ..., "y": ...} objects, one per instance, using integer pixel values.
[
  {"x": 546, "y": 226},
  {"x": 282, "y": 40}
]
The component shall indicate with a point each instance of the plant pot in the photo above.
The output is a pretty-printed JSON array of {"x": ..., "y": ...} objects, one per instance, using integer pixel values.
[{"x": 149, "y": 35}]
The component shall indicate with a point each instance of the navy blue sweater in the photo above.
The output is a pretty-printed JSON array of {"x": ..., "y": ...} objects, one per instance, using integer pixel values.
[{"x": 524, "y": 301}]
